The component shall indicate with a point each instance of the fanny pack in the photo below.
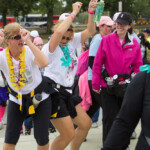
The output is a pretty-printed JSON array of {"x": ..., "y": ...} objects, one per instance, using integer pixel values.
[
  {"x": 117, "y": 84},
  {"x": 27, "y": 103}
]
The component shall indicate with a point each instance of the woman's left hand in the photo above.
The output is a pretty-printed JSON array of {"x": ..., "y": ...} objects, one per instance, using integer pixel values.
[
  {"x": 92, "y": 5},
  {"x": 25, "y": 34}
]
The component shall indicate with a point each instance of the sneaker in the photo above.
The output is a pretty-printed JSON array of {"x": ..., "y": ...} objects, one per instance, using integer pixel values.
[
  {"x": 133, "y": 136},
  {"x": 1, "y": 125},
  {"x": 27, "y": 131},
  {"x": 94, "y": 125}
]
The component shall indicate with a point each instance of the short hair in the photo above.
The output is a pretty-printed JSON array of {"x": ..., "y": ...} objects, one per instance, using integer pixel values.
[
  {"x": 11, "y": 29},
  {"x": 71, "y": 28}
]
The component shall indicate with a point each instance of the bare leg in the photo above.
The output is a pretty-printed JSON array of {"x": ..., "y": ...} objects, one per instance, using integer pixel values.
[
  {"x": 66, "y": 129},
  {"x": 84, "y": 122},
  {"x": 45, "y": 147},
  {"x": 8, "y": 146}
]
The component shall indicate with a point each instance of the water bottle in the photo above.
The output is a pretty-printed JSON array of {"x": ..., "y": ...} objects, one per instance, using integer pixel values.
[
  {"x": 110, "y": 81},
  {"x": 110, "y": 85},
  {"x": 99, "y": 11},
  {"x": 36, "y": 100},
  {"x": 133, "y": 75}
]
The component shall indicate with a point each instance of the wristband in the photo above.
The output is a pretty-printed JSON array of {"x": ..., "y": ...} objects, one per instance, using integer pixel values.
[
  {"x": 90, "y": 12},
  {"x": 72, "y": 15}
]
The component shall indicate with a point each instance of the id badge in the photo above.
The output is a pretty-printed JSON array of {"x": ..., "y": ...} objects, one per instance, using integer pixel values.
[{"x": 20, "y": 98}]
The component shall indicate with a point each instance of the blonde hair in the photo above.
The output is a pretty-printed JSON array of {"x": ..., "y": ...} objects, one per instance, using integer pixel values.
[
  {"x": 71, "y": 28},
  {"x": 11, "y": 29}
]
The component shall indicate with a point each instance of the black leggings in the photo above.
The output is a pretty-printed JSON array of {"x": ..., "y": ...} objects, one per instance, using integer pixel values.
[
  {"x": 41, "y": 122},
  {"x": 96, "y": 101}
]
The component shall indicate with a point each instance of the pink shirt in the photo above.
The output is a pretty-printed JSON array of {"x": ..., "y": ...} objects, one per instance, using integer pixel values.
[{"x": 117, "y": 59}]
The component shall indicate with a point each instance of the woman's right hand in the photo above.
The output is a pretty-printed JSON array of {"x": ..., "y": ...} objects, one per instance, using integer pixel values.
[
  {"x": 76, "y": 7},
  {"x": 97, "y": 91}
]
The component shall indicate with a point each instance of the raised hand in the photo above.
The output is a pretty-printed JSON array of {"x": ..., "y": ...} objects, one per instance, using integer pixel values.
[
  {"x": 25, "y": 34},
  {"x": 92, "y": 5},
  {"x": 97, "y": 91},
  {"x": 76, "y": 7}
]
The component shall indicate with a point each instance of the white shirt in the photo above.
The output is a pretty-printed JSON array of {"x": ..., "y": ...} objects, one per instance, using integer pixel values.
[
  {"x": 55, "y": 71},
  {"x": 32, "y": 73}
]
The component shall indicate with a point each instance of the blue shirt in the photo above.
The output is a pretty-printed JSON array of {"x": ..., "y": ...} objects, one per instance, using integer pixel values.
[{"x": 92, "y": 52}]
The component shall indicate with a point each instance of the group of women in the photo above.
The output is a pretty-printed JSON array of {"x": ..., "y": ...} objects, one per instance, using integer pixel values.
[
  {"x": 58, "y": 94},
  {"x": 58, "y": 91}
]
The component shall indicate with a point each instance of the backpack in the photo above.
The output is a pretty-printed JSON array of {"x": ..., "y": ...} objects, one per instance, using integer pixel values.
[{"x": 82, "y": 63}]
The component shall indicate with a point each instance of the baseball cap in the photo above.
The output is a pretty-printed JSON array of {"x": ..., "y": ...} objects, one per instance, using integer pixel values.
[
  {"x": 116, "y": 16},
  {"x": 124, "y": 18},
  {"x": 146, "y": 30},
  {"x": 63, "y": 16},
  {"x": 34, "y": 33},
  {"x": 105, "y": 20}
]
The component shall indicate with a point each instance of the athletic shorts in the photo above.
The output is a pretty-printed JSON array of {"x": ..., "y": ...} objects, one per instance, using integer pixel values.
[{"x": 15, "y": 120}]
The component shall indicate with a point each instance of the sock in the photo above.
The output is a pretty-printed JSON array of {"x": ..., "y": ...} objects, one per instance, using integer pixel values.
[{"x": 2, "y": 111}]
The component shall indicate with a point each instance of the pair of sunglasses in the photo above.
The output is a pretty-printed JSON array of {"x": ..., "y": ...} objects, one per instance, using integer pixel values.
[
  {"x": 66, "y": 38},
  {"x": 17, "y": 37},
  {"x": 39, "y": 44}
]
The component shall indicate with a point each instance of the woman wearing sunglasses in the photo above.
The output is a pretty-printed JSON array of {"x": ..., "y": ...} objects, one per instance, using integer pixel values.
[
  {"x": 60, "y": 74},
  {"x": 20, "y": 65}
]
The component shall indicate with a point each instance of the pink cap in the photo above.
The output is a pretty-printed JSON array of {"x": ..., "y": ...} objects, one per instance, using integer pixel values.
[
  {"x": 105, "y": 20},
  {"x": 37, "y": 40}
]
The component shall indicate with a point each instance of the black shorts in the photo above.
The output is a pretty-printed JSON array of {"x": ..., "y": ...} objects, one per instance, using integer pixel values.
[
  {"x": 67, "y": 101},
  {"x": 15, "y": 120}
]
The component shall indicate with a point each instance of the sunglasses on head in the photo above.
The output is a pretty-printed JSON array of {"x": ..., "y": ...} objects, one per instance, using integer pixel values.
[
  {"x": 17, "y": 37},
  {"x": 66, "y": 38}
]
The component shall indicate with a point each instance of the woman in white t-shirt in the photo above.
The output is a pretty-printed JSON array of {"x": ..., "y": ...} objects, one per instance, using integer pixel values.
[
  {"x": 60, "y": 74},
  {"x": 20, "y": 65}
]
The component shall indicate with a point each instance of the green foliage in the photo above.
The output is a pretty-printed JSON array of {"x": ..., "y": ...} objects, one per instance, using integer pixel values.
[{"x": 50, "y": 7}]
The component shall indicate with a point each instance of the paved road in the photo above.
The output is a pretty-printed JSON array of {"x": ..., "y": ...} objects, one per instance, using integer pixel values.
[{"x": 94, "y": 139}]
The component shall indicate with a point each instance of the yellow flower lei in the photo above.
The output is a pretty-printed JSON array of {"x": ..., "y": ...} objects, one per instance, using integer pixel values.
[{"x": 17, "y": 83}]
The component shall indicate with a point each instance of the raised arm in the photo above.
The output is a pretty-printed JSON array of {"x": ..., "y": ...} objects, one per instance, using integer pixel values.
[
  {"x": 63, "y": 27},
  {"x": 91, "y": 27},
  {"x": 40, "y": 59}
]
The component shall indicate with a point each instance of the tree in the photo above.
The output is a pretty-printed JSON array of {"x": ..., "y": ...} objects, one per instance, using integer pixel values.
[
  {"x": 47, "y": 7},
  {"x": 4, "y": 9},
  {"x": 15, "y": 7},
  {"x": 22, "y": 7},
  {"x": 141, "y": 7}
]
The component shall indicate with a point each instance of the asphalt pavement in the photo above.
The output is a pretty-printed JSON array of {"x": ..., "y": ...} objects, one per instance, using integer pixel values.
[{"x": 94, "y": 139}]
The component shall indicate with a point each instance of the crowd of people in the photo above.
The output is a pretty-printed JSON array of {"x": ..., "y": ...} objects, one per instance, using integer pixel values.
[{"x": 47, "y": 85}]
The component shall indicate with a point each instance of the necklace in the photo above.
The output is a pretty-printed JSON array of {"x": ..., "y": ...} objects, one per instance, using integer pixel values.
[{"x": 17, "y": 81}]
